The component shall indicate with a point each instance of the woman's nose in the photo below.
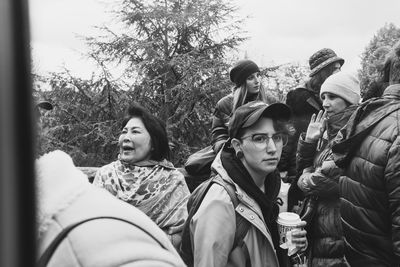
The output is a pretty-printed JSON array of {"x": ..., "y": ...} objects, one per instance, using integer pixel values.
[
  {"x": 325, "y": 104},
  {"x": 271, "y": 146},
  {"x": 126, "y": 137}
]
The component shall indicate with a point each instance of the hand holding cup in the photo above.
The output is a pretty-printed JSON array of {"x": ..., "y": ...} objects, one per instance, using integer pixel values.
[{"x": 299, "y": 236}]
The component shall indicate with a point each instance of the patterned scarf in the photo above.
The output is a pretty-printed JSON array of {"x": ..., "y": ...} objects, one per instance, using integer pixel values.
[{"x": 156, "y": 188}]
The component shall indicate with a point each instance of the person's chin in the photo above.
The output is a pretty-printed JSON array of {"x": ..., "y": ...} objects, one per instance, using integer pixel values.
[
  {"x": 254, "y": 90},
  {"x": 127, "y": 157},
  {"x": 270, "y": 165}
]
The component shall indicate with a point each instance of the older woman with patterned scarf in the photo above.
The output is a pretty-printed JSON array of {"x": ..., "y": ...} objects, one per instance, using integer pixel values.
[{"x": 143, "y": 177}]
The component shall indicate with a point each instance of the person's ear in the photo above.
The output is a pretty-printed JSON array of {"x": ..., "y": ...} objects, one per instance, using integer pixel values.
[{"x": 235, "y": 143}]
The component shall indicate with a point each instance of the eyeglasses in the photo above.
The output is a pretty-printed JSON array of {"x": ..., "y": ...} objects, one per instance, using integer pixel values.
[{"x": 261, "y": 141}]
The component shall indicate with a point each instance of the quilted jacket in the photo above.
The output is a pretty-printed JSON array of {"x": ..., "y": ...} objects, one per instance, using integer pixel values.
[
  {"x": 368, "y": 148},
  {"x": 325, "y": 230}
]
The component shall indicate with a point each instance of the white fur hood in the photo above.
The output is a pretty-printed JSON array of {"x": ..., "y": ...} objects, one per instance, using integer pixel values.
[{"x": 58, "y": 183}]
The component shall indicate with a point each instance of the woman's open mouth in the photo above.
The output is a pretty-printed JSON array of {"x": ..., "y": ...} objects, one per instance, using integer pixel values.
[{"x": 127, "y": 148}]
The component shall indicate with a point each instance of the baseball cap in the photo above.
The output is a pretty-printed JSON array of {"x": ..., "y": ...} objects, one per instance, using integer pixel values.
[{"x": 248, "y": 114}]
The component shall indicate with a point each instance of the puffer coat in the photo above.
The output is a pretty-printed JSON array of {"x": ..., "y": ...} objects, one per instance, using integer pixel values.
[
  {"x": 316, "y": 162},
  {"x": 368, "y": 148}
]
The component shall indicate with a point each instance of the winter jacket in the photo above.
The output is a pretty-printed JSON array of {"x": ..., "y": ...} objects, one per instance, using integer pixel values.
[
  {"x": 213, "y": 228},
  {"x": 368, "y": 148},
  {"x": 325, "y": 231},
  {"x": 65, "y": 197},
  {"x": 304, "y": 102}
]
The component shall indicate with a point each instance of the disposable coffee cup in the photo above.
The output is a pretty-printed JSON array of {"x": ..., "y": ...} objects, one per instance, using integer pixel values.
[{"x": 287, "y": 221}]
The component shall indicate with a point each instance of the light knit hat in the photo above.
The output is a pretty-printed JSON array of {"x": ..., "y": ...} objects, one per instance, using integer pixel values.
[{"x": 344, "y": 85}]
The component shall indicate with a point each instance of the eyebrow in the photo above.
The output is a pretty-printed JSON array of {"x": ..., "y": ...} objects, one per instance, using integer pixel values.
[
  {"x": 265, "y": 133},
  {"x": 133, "y": 127}
]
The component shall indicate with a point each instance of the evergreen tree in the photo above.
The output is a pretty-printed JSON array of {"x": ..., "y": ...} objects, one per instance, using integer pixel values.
[
  {"x": 173, "y": 55},
  {"x": 373, "y": 57}
]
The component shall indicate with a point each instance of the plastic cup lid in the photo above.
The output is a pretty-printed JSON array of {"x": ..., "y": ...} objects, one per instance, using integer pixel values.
[{"x": 288, "y": 218}]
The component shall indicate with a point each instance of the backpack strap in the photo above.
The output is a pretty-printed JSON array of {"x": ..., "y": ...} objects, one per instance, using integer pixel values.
[
  {"x": 242, "y": 225},
  {"x": 48, "y": 253}
]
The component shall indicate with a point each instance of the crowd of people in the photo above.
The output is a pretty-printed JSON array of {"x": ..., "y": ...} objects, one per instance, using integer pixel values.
[{"x": 339, "y": 152}]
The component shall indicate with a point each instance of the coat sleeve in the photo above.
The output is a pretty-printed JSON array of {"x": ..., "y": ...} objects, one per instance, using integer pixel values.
[
  {"x": 392, "y": 175},
  {"x": 305, "y": 154},
  {"x": 213, "y": 229},
  {"x": 324, "y": 185},
  {"x": 324, "y": 180},
  {"x": 221, "y": 115}
]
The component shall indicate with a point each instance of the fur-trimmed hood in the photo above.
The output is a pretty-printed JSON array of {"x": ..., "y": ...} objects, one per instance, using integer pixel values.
[{"x": 58, "y": 183}]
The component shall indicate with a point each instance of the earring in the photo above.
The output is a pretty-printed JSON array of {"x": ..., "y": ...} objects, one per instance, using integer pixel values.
[{"x": 239, "y": 154}]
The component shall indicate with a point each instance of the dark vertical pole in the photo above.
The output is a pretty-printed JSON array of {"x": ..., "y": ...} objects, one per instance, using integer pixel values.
[{"x": 17, "y": 209}]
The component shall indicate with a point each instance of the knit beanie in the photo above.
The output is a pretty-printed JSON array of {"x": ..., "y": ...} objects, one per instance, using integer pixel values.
[
  {"x": 344, "y": 85},
  {"x": 323, "y": 58},
  {"x": 241, "y": 70}
]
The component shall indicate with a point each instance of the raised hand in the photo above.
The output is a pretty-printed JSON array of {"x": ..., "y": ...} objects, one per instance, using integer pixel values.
[{"x": 316, "y": 127}]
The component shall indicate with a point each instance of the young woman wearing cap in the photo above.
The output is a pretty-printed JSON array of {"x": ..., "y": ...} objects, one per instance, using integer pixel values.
[
  {"x": 248, "y": 162},
  {"x": 246, "y": 76},
  {"x": 340, "y": 94}
]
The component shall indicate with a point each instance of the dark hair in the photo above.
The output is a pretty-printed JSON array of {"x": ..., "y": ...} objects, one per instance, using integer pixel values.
[
  {"x": 155, "y": 127},
  {"x": 391, "y": 69},
  {"x": 389, "y": 73},
  {"x": 319, "y": 78},
  {"x": 375, "y": 89}
]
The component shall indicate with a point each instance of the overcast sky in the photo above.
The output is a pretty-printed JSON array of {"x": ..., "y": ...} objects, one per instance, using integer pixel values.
[{"x": 279, "y": 31}]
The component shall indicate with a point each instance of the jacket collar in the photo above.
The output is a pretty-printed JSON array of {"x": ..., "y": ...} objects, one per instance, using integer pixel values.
[
  {"x": 335, "y": 122},
  {"x": 362, "y": 121},
  {"x": 149, "y": 163},
  {"x": 392, "y": 91},
  {"x": 242, "y": 195}
]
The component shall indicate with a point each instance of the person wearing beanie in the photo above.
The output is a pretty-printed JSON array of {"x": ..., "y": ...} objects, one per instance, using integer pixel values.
[
  {"x": 340, "y": 94},
  {"x": 245, "y": 75},
  {"x": 344, "y": 85},
  {"x": 368, "y": 151},
  {"x": 305, "y": 101}
]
